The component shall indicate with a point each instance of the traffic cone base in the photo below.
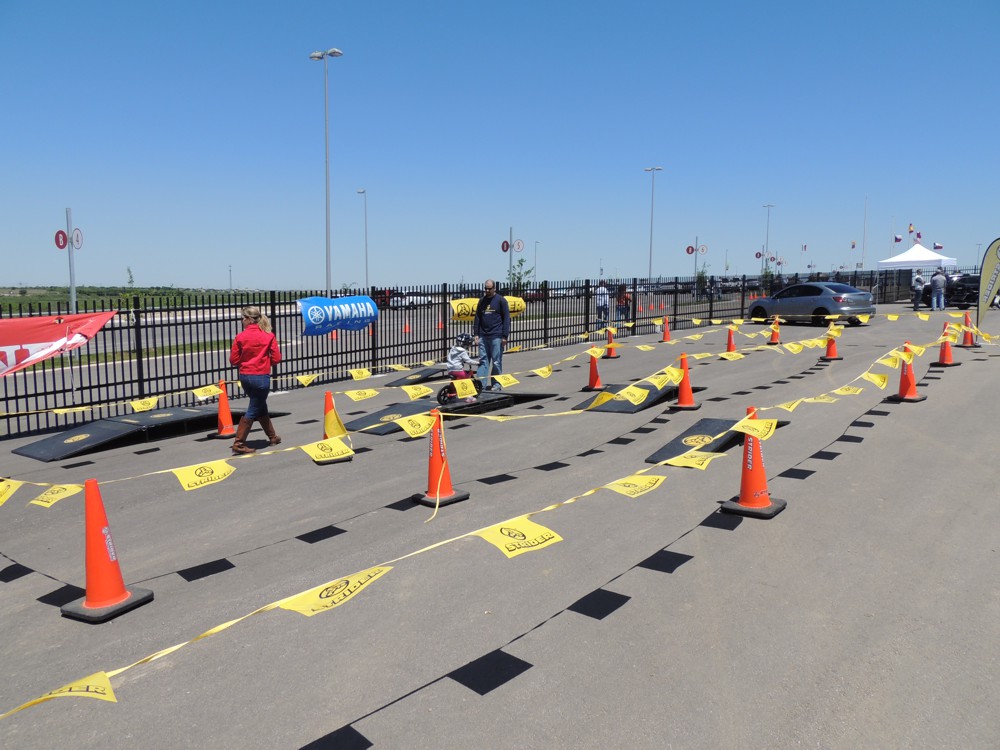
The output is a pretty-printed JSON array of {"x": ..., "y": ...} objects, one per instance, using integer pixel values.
[
  {"x": 733, "y": 506},
  {"x": 106, "y": 595},
  {"x": 225, "y": 429}
]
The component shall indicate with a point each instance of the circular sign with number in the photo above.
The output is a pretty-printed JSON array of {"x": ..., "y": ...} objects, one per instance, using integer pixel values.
[
  {"x": 61, "y": 240},
  {"x": 518, "y": 246},
  {"x": 77, "y": 239},
  {"x": 758, "y": 255},
  {"x": 505, "y": 246},
  {"x": 772, "y": 259},
  {"x": 703, "y": 249},
  {"x": 690, "y": 250}
]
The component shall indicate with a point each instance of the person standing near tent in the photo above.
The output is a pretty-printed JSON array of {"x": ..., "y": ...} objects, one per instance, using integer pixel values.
[
  {"x": 491, "y": 329},
  {"x": 918, "y": 289},
  {"x": 938, "y": 283},
  {"x": 255, "y": 351},
  {"x": 601, "y": 301}
]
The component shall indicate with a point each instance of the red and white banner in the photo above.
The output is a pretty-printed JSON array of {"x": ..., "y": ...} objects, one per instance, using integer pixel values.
[{"x": 27, "y": 341}]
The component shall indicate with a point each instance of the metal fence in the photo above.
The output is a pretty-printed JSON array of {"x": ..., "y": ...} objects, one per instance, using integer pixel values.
[{"x": 156, "y": 348}]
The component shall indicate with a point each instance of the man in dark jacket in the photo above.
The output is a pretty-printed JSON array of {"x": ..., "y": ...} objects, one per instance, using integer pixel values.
[{"x": 491, "y": 330}]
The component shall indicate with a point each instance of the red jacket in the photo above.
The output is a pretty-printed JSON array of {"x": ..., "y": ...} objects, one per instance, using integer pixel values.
[{"x": 254, "y": 351}]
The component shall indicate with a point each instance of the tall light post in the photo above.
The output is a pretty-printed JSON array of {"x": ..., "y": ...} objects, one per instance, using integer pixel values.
[
  {"x": 332, "y": 52},
  {"x": 362, "y": 191},
  {"x": 652, "y": 197},
  {"x": 534, "y": 270},
  {"x": 767, "y": 233}
]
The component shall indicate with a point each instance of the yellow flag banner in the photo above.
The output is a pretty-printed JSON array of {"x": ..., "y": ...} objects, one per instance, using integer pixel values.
[
  {"x": 761, "y": 429},
  {"x": 834, "y": 331},
  {"x": 702, "y": 355},
  {"x": 635, "y": 484},
  {"x": 416, "y": 391},
  {"x": 416, "y": 425},
  {"x": 516, "y": 306},
  {"x": 793, "y": 347},
  {"x": 144, "y": 404},
  {"x": 696, "y": 336},
  {"x": 71, "y": 410},
  {"x": 848, "y": 390},
  {"x": 595, "y": 351},
  {"x": 398, "y": 368},
  {"x": 332, "y": 424},
  {"x": 675, "y": 374},
  {"x": 465, "y": 388},
  {"x": 661, "y": 380},
  {"x": 428, "y": 363},
  {"x": 361, "y": 395},
  {"x": 197, "y": 476},
  {"x": 55, "y": 493},
  {"x": 822, "y": 398},
  {"x": 518, "y": 535},
  {"x": 330, "y": 449},
  {"x": 646, "y": 348},
  {"x": 632, "y": 394},
  {"x": 715, "y": 322},
  {"x": 694, "y": 459},
  {"x": 864, "y": 318},
  {"x": 543, "y": 372},
  {"x": 7, "y": 488},
  {"x": 697, "y": 322},
  {"x": 506, "y": 380},
  {"x": 361, "y": 373},
  {"x": 789, "y": 405},
  {"x": 515, "y": 348},
  {"x": 732, "y": 356},
  {"x": 888, "y": 361},
  {"x": 207, "y": 392},
  {"x": 306, "y": 380},
  {"x": 917, "y": 350},
  {"x": 464, "y": 310},
  {"x": 332, "y": 594},
  {"x": 923, "y": 316},
  {"x": 877, "y": 378},
  {"x": 96, "y": 685},
  {"x": 906, "y": 356},
  {"x": 602, "y": 398},
  {"x": 892, "y": 316}
]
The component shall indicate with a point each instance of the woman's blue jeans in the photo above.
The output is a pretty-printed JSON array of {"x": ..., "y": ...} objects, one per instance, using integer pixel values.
[{"x": 257, "y": 387}]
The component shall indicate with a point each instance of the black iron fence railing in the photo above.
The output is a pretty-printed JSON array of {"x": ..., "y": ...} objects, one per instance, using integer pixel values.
[{"x": 154, "y": 348}]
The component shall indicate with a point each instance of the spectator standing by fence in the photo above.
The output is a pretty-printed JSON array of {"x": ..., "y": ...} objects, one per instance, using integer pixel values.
[
  {"x": 918, "y": 290},
  {"x": 255, "y": 351},
  {"x": 602, "y": 302},
  {"x": 938, "y": 283},
  {"x": 491, "y": 329}
]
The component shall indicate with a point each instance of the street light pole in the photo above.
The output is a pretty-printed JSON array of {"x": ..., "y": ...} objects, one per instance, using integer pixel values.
[
  {"x": 332, "y": 52},
  {"x": 534, "y": 271},
  {"x": 364, "y": 192},
  {"x": 652, "y": 197},
  {"x": 767, "y": 234}
]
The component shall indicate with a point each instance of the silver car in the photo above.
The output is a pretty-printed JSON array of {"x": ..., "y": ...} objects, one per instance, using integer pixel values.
[{"x": 812, "y": 302}]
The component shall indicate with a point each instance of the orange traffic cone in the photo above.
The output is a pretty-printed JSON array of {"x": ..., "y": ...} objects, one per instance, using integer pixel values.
[
  {"x": 944, "y": 354},
  {"x": 333, "y": 427},
  {"x": 831, "y": 349},
  {"x": 775, "y": 332},
  {"x": 611, "y": 351},
  {"x": 730, "y": 343},
  {"x": 440, "y": 325},
  {"x": 685, "y": 395},
  {"x": 439, "y": 489},
  {"x": 968, "y": 342},
  {"x": 106, "y": 595},
  {"x": 406, "y": 326},
  {"x": 595, "y": 378},
  {"x": 755, "y": 499},
  {"x": 666, "y": 329},
  {"x": 907, "y": 383},
  {"x": 663, "y": 306},
  {"x": 225, "y": 420},
  {"x": 333, "y": 335}
]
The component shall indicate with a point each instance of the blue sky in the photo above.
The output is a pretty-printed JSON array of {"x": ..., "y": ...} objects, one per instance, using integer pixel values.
[{"x": 187, "y": 137}]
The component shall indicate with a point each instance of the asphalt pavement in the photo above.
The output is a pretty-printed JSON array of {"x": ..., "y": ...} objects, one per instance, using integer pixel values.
[{"x": 865, "y": 615}]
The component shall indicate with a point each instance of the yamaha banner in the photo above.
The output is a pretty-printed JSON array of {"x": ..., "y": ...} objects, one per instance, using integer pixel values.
[
  {"x": 27, "y": 341},
  {"x": 322, "y": 315}
]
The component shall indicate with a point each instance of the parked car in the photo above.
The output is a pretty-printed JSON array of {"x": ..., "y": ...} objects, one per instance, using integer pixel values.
[
  {"x": 405, "y": 298},
  {"x": 805, "y": 303},
  {"x": 962, "y": 291}
]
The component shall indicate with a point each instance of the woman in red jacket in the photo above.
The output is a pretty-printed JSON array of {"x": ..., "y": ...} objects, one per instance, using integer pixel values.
[{"x": 255, "y": 352}]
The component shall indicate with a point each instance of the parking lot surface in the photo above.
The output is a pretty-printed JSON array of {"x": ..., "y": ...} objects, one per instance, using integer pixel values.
[{"x": 865, "y": 615}]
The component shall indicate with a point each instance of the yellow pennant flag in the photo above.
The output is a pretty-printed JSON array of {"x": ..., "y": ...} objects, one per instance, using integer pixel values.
[
  {"x": 144, "y": 404},
  {"x": 306, "y": 380},
  {"x": 361, "y": 395},
  {"x": 695, "y": 459},
  {"x": 595, "y": 351},
  {"x": 732, "y": 356},
  {"x": 752, "y": 335},
  {"x": 329, "y": 450},
  {"x": 398, "y": 368},
  {"x": 695, "y": 336},
  {"x": 813, "y": 343},
  {"x": 793, "y": 347},
  {"x": 848, "y": 390},
  {"x": 889, "y": 361},
  {"x": 197, "y": 476},
  {"x": 906, "y": 357},
  {"x": 864, "y": 318},
  {"x": 464, "y": 310},
  {"x": 715, "y": 322},
  {"x": 516, "y": 347},
  {"x": 789, "y": 405},
  {"x": 657, "y": 321},
  {"x": 518, "y": 535},
  {"x": 464, "y": 388},
  {"x": 761, "y": 429},
  {"x": 831, "y": 317},
  {"x": 892, "y": 316},
  {"x": 956, "y": 315},
  {"x": 416, "y": 391},
  {"x": 923, "y": 316},
  {"x": 877, "y": 378},
  {"x": 635, "y": 484},
  {"x": 614, "y": 331},
  {"x": 55, "y": 493},
  {"x": 834, "y": 331},
  {"x": 333, "y": 427},
  {"x": 416, "y": 425},
  {"x": 361, "y": 373},
  {"x": 7, "y": 488},
  {"x": 645, "y": 348},
  {"x": 661, "y": 380},
  {"x": 428, "y": 363},
  {"x": 632, "y": 394},
  {"x": 543, "y": 372},
  {"x": 334, "y": 593},
  {"x": 702, "y": 355},
  {"x": 602, "y": 398},
  {"x": 675, "y": 374},
  {"x": 506, "y": 380},
  {"x": 738, "y": 323},
  {"x": 629, "y": 324},
  {"x": 918, "y": 351},
  {"x": 696, "y": 321},
  {"x": 71, "y": 410},
  {"x": 823, "y": 398},
  {"x": 207, "y": 392},
  {"x": 96, "y": 685}
]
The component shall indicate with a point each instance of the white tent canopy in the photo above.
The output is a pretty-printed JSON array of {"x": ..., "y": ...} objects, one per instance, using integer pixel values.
[{"x": 917, "y": 256}]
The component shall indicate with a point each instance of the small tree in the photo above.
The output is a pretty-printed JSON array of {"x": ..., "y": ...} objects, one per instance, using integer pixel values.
[
  {"x": 519, "y": 277},
  {"x": 131, "y": 278}
]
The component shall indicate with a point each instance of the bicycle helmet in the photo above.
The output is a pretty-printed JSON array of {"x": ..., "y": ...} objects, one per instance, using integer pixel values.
[{"x": 464, "y": 340}]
